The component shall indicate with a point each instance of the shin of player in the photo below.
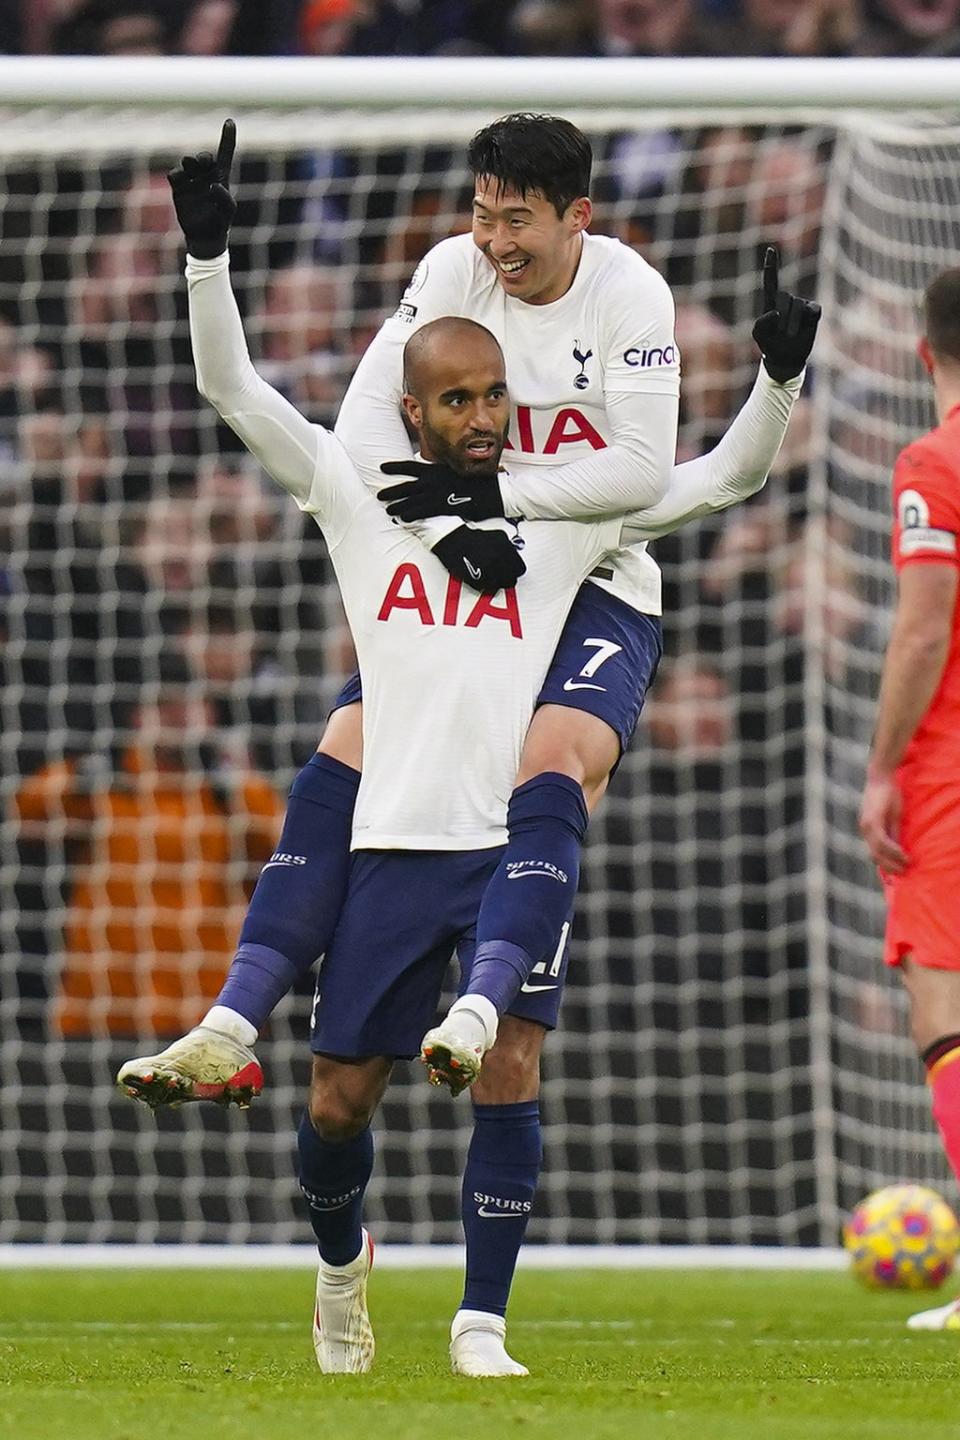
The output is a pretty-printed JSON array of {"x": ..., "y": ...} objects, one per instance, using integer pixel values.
[
  {"x": 912, "y": 796},
  {"x": 503, "y": 1167},
  {"x": 335, "y": 1149}
]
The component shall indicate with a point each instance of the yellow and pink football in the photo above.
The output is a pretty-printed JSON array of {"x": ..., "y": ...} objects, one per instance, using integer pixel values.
[{"x": 904, "y": 1237}]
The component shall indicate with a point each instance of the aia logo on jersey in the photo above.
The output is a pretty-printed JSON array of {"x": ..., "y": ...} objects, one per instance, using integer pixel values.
[
  {"x": 582, "y": 380},
  {"x": 407, "y": 591},
  {"x": 567, "y": 427}
]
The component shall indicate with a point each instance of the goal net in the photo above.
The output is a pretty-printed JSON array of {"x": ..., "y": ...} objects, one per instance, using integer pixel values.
[{"x": 732, "y": 1064}]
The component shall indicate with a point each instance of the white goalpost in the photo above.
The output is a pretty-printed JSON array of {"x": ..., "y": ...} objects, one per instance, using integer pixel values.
[{"x": 732, "y": 1069}]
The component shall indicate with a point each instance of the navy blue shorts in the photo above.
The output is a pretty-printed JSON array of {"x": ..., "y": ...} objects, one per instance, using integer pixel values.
[
  {"x": 604, "y": 662},
  {"x": 351, "y": 694},
  {"x": 405, "y": 916}
]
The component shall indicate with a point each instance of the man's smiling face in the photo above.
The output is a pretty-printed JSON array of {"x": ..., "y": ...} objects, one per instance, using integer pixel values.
[{"x": 533, "y": 250}]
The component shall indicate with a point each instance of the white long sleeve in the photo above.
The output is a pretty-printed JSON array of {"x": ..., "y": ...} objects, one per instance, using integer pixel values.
[
  {"x": 632, "y": 473},
  {"x": 370, "y": 422},
  {"x": 284, "y": 441},
  {"x": 584, "y": 446},
  {"x": 736, "y": 468}
]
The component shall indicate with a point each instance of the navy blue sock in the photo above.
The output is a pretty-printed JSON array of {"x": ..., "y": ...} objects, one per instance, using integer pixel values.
[
  {"x": 531, "y": 891},
  {"x": 334, "y": 1177},
  {"x": 295, "y": 907},
  {"x": 499, "y": 1183}
]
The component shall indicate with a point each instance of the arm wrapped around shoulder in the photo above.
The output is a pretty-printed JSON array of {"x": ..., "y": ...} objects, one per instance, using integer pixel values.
[{"x": 437, "y": 490}]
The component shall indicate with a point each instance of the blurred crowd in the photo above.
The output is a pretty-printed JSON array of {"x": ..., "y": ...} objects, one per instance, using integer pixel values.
[{"x": 477, "y": 27}]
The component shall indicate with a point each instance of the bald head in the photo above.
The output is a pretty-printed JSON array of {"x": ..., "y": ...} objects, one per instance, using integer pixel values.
[
  {"x": 439, "y": 350},
  {"x": 455, "y": 394}
]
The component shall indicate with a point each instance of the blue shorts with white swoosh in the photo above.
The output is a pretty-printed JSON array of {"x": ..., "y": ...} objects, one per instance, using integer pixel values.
[
  {"x": 539, "y": 998},
  {"x": 604, "y": 662},
  {"x": 405, "y": 916}
]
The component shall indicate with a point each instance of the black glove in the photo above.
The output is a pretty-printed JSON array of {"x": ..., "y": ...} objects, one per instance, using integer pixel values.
[
  {"x": 204, "y": 205},
  {"x": 787, "y": 328},
  {"x": 486, "y": 560},
  {"x": 438, "y": 490}
]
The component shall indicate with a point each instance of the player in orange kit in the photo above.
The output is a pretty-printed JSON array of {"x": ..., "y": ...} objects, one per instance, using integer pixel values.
[{"x": 910, "y": 815}]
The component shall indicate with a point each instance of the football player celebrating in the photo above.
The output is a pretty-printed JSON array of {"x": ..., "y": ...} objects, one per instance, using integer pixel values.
[
  {"x": 301, "y": 894},
  {"x": 588, "y": 326},
  {"x": 911, "y": 802},
  {"x": 429, "y": 824}
]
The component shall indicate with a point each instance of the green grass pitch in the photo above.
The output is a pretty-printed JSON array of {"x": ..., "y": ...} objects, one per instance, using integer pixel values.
[{"x": 614, "y": 1355}]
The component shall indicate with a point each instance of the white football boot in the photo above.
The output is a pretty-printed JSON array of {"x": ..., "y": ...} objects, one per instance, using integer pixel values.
[
  {"x": 478, "y": 1348},
  {"x": 944, "y": 1317},
  {"x": 342, "y": 1334},
  {"x": 204, "y": 1064},
  {"x": 453, "y": 1051}
]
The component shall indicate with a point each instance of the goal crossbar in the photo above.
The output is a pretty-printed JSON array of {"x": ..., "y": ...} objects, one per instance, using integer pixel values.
[{"x": 506, "y": 83}]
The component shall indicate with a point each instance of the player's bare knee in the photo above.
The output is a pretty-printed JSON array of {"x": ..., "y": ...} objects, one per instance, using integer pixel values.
[
  {"x": 343, "y": 1097},
  {"x": 934, "y": 1002},
  {"x": 511, "y": 1069},
  {"x": 594, "y": 788},
  {"x": 571, "y": 743},
  {"x": 510, "y": 1081},
  {"x": 336, "y": 1116}
]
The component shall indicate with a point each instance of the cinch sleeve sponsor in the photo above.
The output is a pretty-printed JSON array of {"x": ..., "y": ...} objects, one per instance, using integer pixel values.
[{"x": 641, "y": 351}]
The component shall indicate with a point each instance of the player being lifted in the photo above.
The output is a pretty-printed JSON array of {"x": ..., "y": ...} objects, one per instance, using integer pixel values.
[
  {"x": 586, "y": 326},
  {"x": 910, "y": 816},
  {"x": 451, "y": 682},
  {"x": 504, "y": 1156}
]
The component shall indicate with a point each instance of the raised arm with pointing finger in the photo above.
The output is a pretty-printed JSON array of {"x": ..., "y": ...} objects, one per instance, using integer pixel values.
[{"x": 282, "y": 439}]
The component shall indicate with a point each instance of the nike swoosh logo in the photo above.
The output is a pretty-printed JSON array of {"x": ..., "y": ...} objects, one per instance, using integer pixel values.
[
  {"x": 473, "y": 570},
  {"x": 458, "y": 499},
  {"x": 535, "y": 989},
  {"x": 501, "y": 1214},
  {"x": 582, "y": 685}
]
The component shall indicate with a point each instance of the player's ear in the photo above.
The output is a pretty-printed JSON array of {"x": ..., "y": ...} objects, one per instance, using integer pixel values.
[
  {"x": 413, "y": 410},
  {"x": 579, "y": 213},
  {"x": 925, "y": 354}
]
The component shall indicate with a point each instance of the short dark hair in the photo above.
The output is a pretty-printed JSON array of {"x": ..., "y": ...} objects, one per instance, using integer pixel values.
[
  {"x": 941, "y": 314},
  {"x": 534, "y": 152}
]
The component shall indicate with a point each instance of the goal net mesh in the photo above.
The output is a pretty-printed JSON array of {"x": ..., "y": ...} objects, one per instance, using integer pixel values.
[{"x": 732, "y": 1064}]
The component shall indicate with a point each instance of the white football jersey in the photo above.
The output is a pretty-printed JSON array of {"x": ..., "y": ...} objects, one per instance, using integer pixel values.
[
  {"x": 609, "y": 336},
  {"x": 450, "y": 677}
]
